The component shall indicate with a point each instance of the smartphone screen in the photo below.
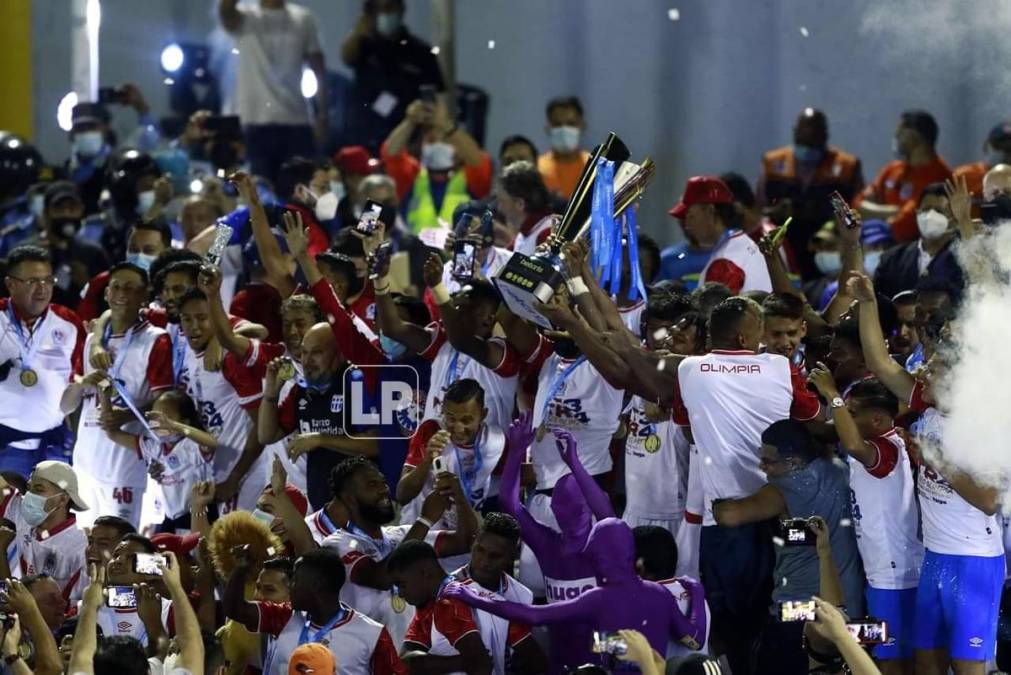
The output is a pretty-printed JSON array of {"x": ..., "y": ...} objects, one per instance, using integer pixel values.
[
  {"x": 797, "y": 533},
  {"x": 370, "y": 216},
  {"x": 147, "y": 563},
  {"x": 121, "y": 597},
  {"x": 463, "y": 261},
  {"x": 796, "y": 610},
  {"x": 869, "y": 632}
]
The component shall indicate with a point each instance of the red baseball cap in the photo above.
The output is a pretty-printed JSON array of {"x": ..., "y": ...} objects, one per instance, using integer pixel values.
[
  {"x": 357, "y": 160},
  {"x": 702, "y": 190},
  {"x": 181, "y": 545},
  {"x": 298, "y": 499}
]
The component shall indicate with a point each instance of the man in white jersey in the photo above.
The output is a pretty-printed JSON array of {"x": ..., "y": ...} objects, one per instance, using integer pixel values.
[
  {"x": 49, "y": 541},
  {"x": 885, "y": 514},
  {"x": 41, "y": 345},
  {"x": 315, "y": 614},
  {"x": 129, "y": 621},
  {"x": 958, "y": 598},
  {"x": 116, "y": 476},
  {"x": 228, "y": 400},
  {"x": 525, "y": 203},
  {"x": 365, "y": 541}
]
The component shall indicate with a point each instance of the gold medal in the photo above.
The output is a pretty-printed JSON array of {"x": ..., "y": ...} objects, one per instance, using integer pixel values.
[
  {"x": 399, "y": 604},
  {"x": 652, "y": 443},
  {"x": 286, "y": 371},
  {"x": 29, "y": 377}
]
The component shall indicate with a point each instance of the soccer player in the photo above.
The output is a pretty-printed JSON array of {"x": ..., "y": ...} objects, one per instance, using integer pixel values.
[
  {"x": 132, "y": 621},
  {"x": 785, "y": 327}
]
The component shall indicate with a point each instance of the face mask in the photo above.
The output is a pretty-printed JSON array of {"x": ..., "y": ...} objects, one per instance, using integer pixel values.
[
  {"x": 393, "y": 349},
  {"x": 263, "y": 516},
  {"x": 387, "y": 23},
  {"x": 37, "y": 204},
  {"x": 871, "y": 261},
  {"x": 326, "y": 207},
  {"x": 145, "y": 200},
  {"x": 338, "y": 189},
  {"x": 932, "y": 224},
  {"x": 996, "y": 209},
  {"x": 88, "y": 144},
  {"x": 828, "y": 262},
  {"x": 438, "y": 156},
  {"x": 805, "y": 154},
  {"x": 141, "y": 260},
  {"x": 65, "y": 227},
  {"x": 33, "y": 509},
  {"x": 565, "y": 139}
]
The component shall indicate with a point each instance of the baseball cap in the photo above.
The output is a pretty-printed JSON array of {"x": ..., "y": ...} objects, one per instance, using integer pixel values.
[
  {"x": 1000, "y": 133},
  {"x": 357, "y": 160},
  {"x": 61, "y": 189},
  {"x": 89, "y": 113},
  {"x": 702, "y": 190},
  {"x": 62, "y": 475},
  {"x": 295, "y": 495},
  {"x": 311, "y": 657},
  {"x": 179, "y": 544},
  {"x": 875, "y": 232}
]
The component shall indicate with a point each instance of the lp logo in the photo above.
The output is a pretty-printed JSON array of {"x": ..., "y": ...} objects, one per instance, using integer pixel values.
[{"x": 377, "y": 396}]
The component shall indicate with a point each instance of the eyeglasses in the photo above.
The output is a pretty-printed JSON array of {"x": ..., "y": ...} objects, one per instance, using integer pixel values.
[{"x": 37, "y": 282}]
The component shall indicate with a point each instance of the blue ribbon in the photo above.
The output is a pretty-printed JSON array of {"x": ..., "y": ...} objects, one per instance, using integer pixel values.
[
  {"x": 178, "y": 354},
  {"x": 452, "y": 373},
  {"x": 28, "y": 348},
  {"x": 467, "y": 477},
  {"x": 120, "y": 387},
  {"x": 556, "y": 384},
  {"x": 636, "y": 288},
  {"x": 602, "y": 219},
  {"x": 324, "y": 630}
]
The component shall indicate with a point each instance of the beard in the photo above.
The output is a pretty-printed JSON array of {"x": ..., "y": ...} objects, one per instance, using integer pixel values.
[{"x": 381, "y": 515}]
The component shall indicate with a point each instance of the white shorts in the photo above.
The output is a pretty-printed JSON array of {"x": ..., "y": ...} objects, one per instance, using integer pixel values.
[
  {"x": 123, "y": 501},
  {"x": 670, "y": 522}
]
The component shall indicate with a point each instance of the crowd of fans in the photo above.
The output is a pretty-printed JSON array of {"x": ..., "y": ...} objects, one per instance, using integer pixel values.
[{"x": 743, "y": 471}]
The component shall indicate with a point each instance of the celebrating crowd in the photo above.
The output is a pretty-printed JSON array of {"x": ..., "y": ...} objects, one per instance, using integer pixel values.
[{"x": 727, "y": 457}]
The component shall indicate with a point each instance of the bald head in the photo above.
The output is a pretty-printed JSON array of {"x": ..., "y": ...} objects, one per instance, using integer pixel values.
[
  {"x": 997, "y": 181},
  {"x": 320, "y": 355},
  {"x": 197, "y": 215}
]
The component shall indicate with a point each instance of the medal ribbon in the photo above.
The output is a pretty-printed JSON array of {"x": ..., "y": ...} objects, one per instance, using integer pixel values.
[
  {"x": 324, "y": 630},
  {"x": 556, "y": 384},
  {"x": 467, "y": 477},
  {"x": 28, "y": 346},
  {"x": 119, "y": 386}
]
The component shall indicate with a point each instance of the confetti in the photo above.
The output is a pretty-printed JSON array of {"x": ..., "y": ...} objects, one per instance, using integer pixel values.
[
  {"x": 778, "y": 541},
  {"x": 804, "y": 31},
  {"x": 802, "y": 87},
  {"x": 491, "y": 44},
  {"x": 708, "y": 460},
  {"x": 436, "y": 50},
  {"x": 673, "y": 14},
  {"x": 845, "y": 522},
  {"x": 660, "y": 366},
  {"x": 660, "y": 334},
  {"x": 169, "y": 81},
  {"x": 235, "y": 50},
  {"x": 270, "y": 550}
]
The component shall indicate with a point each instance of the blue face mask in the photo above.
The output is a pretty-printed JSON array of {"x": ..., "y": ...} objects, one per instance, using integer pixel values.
[
  {"x": 393, "y": 349},
  {"x": 88, "y": 144},
  {"x": 141, "y": 260},
  {"x": 805, "y": 154},
  {"x": 33, "y": 509}
]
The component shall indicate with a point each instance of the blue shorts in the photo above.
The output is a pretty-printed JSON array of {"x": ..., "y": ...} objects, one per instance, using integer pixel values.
[
  {"x": 897, "y": 608},
  {"x": 957, "y": 605}
]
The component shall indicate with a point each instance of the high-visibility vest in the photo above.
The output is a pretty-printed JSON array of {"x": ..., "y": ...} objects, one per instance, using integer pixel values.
[{"x": 421, "y": 213}]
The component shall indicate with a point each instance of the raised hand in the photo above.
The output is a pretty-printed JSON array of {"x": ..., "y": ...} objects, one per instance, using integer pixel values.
[
  {"x": 295, "y": 233},
  {"x": 821, "y": 378},
  {"x": 432, "y": 271},
  {"x": 861, "y": 287},
  {"x": 521, "y": 433},
  {"x": 278, "y": 476},
  {"x": 243, "y": 557},
  {"x": 566, "y": 445},
  {"x": 202, "y": 495},
  {"x": 961, "y": 203},
  {"x": 244, "y": 184},
  {"x": 209, "y": 280}
]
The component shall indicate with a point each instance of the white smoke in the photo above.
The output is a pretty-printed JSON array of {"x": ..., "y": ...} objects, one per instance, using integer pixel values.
[{"x": 976, "y": 396}]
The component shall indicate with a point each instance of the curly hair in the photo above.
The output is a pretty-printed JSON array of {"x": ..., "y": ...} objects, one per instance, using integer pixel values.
[{"x": 235, "y": 529}]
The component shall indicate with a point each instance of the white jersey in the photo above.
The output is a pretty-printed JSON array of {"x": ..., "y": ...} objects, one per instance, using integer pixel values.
[
  {"x": 58, "y": 552},
  {"x": 527, "y": 243},
  {"x": 631, "y": 316},
  {"x": 499, "y": 635},
  {"x": 729, "y": 398},
  {"x": 127, "y": 622},
  {"x": 449, "y": 365},
  {"x": 320, "y": 526},
  {"x": 885, "y": 497},
  {"x": 497, "y": 258},
  {"x": 358, "y": 644},
  {"x": 583, "y": 404},
  {"x": 55, "y": 350},
  {"x": 683, "y": 598},
  {"x": 689, "y": 531},
  {"x": 737, "y": 263},
  {"x": 656, "y": 466},
  {"x": 383, "y": 606},
  {"x": 145, "y": 371},
  {"x": 183, "y": 465},
  {"x": 951, "y": 525}
]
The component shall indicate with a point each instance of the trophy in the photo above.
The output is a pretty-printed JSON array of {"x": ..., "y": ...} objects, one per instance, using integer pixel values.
[{"x": 524, "y": 280}]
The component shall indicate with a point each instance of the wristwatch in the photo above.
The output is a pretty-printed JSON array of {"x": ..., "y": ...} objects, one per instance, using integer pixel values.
[
  {"x": 12, "y": 659},
  {"x": 837, "y": 402}
]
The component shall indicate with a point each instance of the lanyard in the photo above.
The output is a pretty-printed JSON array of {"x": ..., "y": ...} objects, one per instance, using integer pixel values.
[
  {"x": 556, "y": 385},
  {"x": 28, "y": 346},
  {"x": 327, "y": 523},
  {"x": 384, "y": 546},
  {"x": 121, "y": 386},
  {"x": 467, "y": 477},
  {"x": 117, "y": 364},
  {"x": 178, "y": 353},
  {"x": 453, "y": 373},
  {"x": 324, "y": 629}
]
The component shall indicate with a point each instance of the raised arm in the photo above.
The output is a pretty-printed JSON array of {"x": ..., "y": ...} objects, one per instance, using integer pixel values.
[
  {"x": 577, "y": 609},
  {"x": 769, "y": 246},
  {"x": 872, "y": 340},
  {"x": 460, "y": 540},
  {"x": 829, "y": 586},
  {"x": 274, "y": 264},
  {"x": 47, "y": 656},
  {"x": 418, "y": 114},
  {"x": 76, "y": 391},
  {"x": 296, "y": 531},
  {"x": 268, "y": 426},
  {"x": 539, "y": 537},
  {"x": 85, "y": 637},
  {"x": 852, "y": 263},
  {"x": 595, "y": 497},
  {"x": 191, "y": 645},
  {"x": 612, "y": 367},
  {"x": 209, "y": 281},
  {"x": 850, "y": 438},
  {"x": 233, "y": 601}
]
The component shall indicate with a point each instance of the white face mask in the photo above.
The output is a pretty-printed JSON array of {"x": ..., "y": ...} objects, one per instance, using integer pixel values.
[
  {"x": 37, "y": 205},
  {"x": 871, "y": 261},
  {"x": 87, "y": 144},
  {"x": 145, "y": 200},
  {"x": 338, "y": 189},
  {"x": 565, "y": 139},
  {"x": 828, "y": 262},
  {"x": 326, "y": 207},
  {"x": 932, "y": 224},
  {"x": 438, "y": 156}
]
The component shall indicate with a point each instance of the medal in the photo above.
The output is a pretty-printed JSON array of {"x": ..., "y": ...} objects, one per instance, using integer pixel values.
[
  {"x": 652, "y": 443},
  {"x": 399, "y": 604},
  {"x": 286, "y": 371},
  {"x": 29, "y": 377}
]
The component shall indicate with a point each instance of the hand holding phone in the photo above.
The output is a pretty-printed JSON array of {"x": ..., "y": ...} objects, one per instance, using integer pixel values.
[
  {"x": 796, "y": 532},
  {"x": 796, "y": 610},
  {"x": 149, "y": 563}
]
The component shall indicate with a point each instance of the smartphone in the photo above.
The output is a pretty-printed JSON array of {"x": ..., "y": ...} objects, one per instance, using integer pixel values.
[
  {"x": 121, "y": 597},
  {"x": 222, "y": 235},
  {"x": 464, "y": 259},
  {"x": 797, "y": 533},
  {"x": 840, "y": 206},
  {"x": 370, "y": 217},
  {"x": 438, "y": 465},
  {"x": 148, "y": 563},
  {"x": 110, "y": 95},
  {"x": 427, "y": 93},
  {"x": 609, "y": 643},
  {"x": 380, "y": 263},
  {"x": 227, "y": 125},
  {"x": 869, "y": 631},
  {"x": 796, "y": 610}
]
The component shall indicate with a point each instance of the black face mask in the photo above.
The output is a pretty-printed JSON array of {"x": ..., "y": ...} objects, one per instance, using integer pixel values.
[
  {"x": 996, "y": 209},
  {"x": 223, "y": 155},
  {"x": 65, "y": 227}
]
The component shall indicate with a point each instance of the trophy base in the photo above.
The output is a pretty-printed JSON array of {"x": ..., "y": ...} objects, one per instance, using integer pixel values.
[{"x": 525, "y": 280}]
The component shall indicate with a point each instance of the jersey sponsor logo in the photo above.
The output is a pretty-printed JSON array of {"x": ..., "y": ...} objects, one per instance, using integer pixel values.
[
  {"x": 559, "y": 591},
  {"x": 337, "y": 403},
  {"x": 744, "y": 368},
  {"x": 124, "y": 626},
  {"x": 59, "y": 337},
  {"x": 370, "y": 312},
  {"x": 976, "y": 642}
]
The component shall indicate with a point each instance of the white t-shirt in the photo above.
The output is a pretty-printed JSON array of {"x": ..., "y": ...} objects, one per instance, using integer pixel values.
[
  {"x": 683, "y": 598},
  {"x": 499, "y": 635},
  {"x": 631, "y": 316},
  {"x": 527, "y": 243},
  {"x": 737, "y": 263},
  {"x": 884, "y": 496},
  {"x": 656, "y": 465},
  {"x": 729, "y": 398},
  {"x": 273, "y": 46},
  {"x": 183, "y": 465}
]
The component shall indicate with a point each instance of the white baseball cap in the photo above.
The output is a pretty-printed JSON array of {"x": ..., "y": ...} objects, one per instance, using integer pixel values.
[{"x": 62, "y": 475}]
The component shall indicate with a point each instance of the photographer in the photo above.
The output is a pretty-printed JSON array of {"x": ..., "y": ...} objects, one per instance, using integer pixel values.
[
  {"x": 28, "y": 645},
  {"x": 830, "y": 625}
]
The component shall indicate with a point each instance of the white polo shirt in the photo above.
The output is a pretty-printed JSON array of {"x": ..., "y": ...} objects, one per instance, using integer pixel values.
[{"x": 737, "y": 263}]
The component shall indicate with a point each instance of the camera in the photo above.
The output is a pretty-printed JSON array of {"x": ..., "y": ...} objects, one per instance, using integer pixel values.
[
  {"x": 609, "y": 643},
  {"x": 869, "y": 631},
  {"x": 121, "y": 597},
  {"x": 796, "y": 610},
  {"x": 464, "y": 260},
  {"x": 148, "y": 563},
  {"x": 797, "y": 533}
]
